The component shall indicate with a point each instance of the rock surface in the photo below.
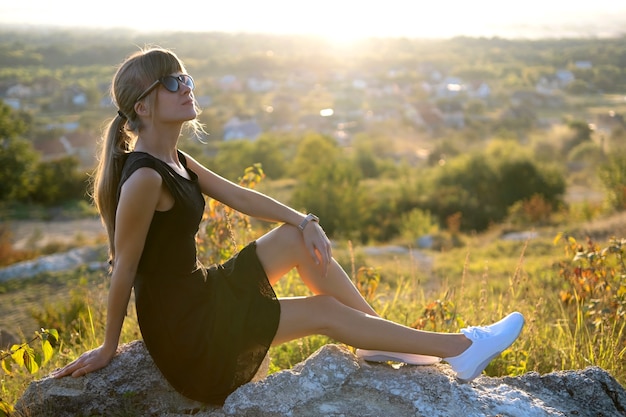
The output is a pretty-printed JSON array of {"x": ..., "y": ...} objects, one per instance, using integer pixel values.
[
  {"x": 90, "y": 256},
  {"x": 332, "y": 382}
]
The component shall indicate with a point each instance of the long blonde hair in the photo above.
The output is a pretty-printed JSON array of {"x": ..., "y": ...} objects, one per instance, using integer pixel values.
[{"x": 132, "y": 77}]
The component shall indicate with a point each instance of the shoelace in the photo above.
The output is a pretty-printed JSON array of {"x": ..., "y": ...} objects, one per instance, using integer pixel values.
[{"x": 476, "y": 332}]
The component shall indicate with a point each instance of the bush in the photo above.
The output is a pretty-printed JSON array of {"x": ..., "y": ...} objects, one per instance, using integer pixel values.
[
  {"x": 58, "y": 181},
  {"x": 613, "y": 177},
  {"x": 482, "y": 187},
  {"x": 594, "y": 303}
]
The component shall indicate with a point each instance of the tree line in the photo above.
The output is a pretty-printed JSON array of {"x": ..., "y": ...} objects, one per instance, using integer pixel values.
[{"x": 470, "y": 179}]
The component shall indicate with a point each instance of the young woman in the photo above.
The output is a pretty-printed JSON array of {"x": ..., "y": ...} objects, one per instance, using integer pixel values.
[{"x": 208, "y": 329}]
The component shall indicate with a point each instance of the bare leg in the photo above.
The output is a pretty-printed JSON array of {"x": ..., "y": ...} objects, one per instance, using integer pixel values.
[
  {"x": 325, "y": 315},
  {"x": 282, "y": 249},
  {"x": 340, "y": 312}
]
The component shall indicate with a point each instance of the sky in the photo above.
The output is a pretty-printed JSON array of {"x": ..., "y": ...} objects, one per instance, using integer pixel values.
[{"x": 340, "y": 20}]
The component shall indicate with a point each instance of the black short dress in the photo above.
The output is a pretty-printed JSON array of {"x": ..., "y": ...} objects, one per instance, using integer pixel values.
[{"x": 207, "y": 329}]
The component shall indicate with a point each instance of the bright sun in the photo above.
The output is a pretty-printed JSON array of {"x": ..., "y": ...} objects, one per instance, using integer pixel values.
[{"x": 340, "y": 21}]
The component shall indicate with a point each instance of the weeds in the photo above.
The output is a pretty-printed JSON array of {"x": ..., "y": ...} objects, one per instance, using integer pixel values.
[
  {"x": 575, "y": 307},
  {"x": 25, "y": 356},
  {"x": 593, "y": 323}
]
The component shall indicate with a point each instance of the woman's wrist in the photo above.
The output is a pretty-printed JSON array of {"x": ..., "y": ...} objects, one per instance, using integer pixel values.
[{"x": 308, "y": 219}]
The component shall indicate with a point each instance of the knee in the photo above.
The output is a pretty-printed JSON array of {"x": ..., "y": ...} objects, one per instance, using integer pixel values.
[
  {"x": 326, "y": 309},
  {"x": 290, "y": 237},
  {"x": 290, "y": 232}
]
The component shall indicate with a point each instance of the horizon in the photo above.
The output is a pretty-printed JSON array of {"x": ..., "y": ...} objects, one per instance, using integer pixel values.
[{"x": 339, "y": 21}]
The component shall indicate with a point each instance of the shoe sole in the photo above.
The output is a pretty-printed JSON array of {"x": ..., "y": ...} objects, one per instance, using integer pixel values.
[
  {"x": 479, "y": 370},
  {"x": 410, "y": 359}
]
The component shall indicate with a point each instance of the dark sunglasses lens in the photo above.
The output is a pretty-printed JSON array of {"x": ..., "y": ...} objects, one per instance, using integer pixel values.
[
  {"x": 187, "y": 80},
  {"x": 170, "y": 83}
]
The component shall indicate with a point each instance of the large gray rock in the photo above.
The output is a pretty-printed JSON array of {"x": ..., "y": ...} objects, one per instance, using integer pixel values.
[
  {"x": 91, "y": 256},
  {"x": 332, "y": 382}
]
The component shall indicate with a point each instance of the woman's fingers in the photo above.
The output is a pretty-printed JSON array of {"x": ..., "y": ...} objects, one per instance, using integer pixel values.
[
  {"x": 86, "y": 363},
  {"x": 65, "y": 371},
  {"x": 318, "y": 246}
]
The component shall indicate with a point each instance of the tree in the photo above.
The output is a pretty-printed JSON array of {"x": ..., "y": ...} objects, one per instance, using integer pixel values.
[
  {"x": 269, "y": 152},
  {"x": 232, "y": 157},
  {"x": 613, "y": 177},
  {"x": 332, "y": 191},
  {"x": 58, "y": 181},
  {"x": 314, "y": 150},
  {"x": 581, "y": 133},
  {"x": 17, "y": 156},
  {"x": 483, "y": 185}
]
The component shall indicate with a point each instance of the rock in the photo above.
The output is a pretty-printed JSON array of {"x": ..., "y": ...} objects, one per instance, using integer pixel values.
[
  {"x": 90, "y": 256},
  {"x": 131, "y": 381},
  {"x": 331, "y": 382}
]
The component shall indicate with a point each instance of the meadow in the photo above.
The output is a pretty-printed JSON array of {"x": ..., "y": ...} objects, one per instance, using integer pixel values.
[
  {"x": 521, "y": 248},
  {"x": 570, "y": 284}
]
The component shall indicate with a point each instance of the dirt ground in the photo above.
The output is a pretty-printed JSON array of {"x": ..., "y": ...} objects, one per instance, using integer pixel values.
[{"x": 29, "y": 233}]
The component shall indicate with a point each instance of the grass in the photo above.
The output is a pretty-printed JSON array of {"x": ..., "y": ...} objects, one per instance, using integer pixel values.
[{"x": 445, "y": 290}]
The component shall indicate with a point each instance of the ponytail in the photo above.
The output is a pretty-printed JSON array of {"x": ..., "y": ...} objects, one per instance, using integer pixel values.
[{"x": 114, "y": 149}]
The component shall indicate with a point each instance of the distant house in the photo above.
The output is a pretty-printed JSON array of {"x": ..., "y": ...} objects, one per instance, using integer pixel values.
[
  {"x": 450, "y": 87},
  {"x": 237, "y": 128},
  {"x": 453, "y": 115},
  {"x": 229, "y": 83},
  {"x": 479, "y": 90},
  {"x": 79, "y": 99},
  {"x": 80, "y": 144},
  {"x": 565, "y": 77},
  {"x": 553, "y": 83},
  {"x": 259, "y": 84},
  {"x": 13, "y": 102},
  {"x": 583, "y": 65},
  {"x": 74, "y": 96},
  {"x": 19, "y": 91}
]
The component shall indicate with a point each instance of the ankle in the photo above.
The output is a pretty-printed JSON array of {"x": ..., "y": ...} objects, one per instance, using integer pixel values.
[{"x": 462, "y": 343}]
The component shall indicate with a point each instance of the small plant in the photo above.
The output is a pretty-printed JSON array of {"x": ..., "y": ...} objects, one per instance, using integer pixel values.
[
  {"x": 437, "y": 315},
  {"x": 26, "y": 357},
  {"x": 597, "y": 278},
  {"x": 222, "y": 224},
  {"x": 367, "y": 281},
  {"x": 594, "y": 303}
]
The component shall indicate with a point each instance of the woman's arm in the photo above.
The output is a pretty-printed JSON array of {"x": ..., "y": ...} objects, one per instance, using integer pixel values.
[
  {"x": 141, "y": 195},
  {"x": 244, "y": 200},
  {"x": 261, "y": 206}
]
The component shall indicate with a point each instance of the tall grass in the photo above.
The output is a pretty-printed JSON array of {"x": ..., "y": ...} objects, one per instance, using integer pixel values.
[
  {"x": 464, "y": 286},
  {"x": 573, "y": 297}
]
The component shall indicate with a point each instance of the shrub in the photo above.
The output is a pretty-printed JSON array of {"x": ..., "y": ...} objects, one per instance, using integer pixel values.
[
  {"x": 594, "y": 303},
  {"x": 613, "y": 177}
]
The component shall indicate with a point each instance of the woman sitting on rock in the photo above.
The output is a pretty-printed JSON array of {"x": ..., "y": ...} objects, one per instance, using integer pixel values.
[{"x": 209, "y": 328}]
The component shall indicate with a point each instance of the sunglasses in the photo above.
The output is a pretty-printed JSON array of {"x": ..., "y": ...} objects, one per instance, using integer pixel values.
[{"x": 171, "y": 84}]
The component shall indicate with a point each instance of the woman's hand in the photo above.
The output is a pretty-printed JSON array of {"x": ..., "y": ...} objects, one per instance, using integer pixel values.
[
  {"x": 318, "y": 245},
  {"x": 88, "y": 362}
]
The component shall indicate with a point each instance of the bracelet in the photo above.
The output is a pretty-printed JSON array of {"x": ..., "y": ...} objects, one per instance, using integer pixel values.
[{"x": 309, "y": 218}]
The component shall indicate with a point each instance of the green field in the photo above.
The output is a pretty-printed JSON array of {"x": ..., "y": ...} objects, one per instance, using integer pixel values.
[{"x": 570, "y": 324}]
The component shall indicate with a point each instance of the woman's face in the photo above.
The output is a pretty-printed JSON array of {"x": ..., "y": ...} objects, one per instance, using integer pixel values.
[
  {"x": 173, "y": 98},
  {"x": 174, "y": 95}
]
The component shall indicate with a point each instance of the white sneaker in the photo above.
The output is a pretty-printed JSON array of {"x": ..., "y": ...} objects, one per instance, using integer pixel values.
[
  {"x": 487, "y": 343},
  {"x": 385, "y": 356}
]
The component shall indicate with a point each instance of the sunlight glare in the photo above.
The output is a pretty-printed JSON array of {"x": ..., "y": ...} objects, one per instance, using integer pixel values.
[{"x": 341, "y": 22}]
